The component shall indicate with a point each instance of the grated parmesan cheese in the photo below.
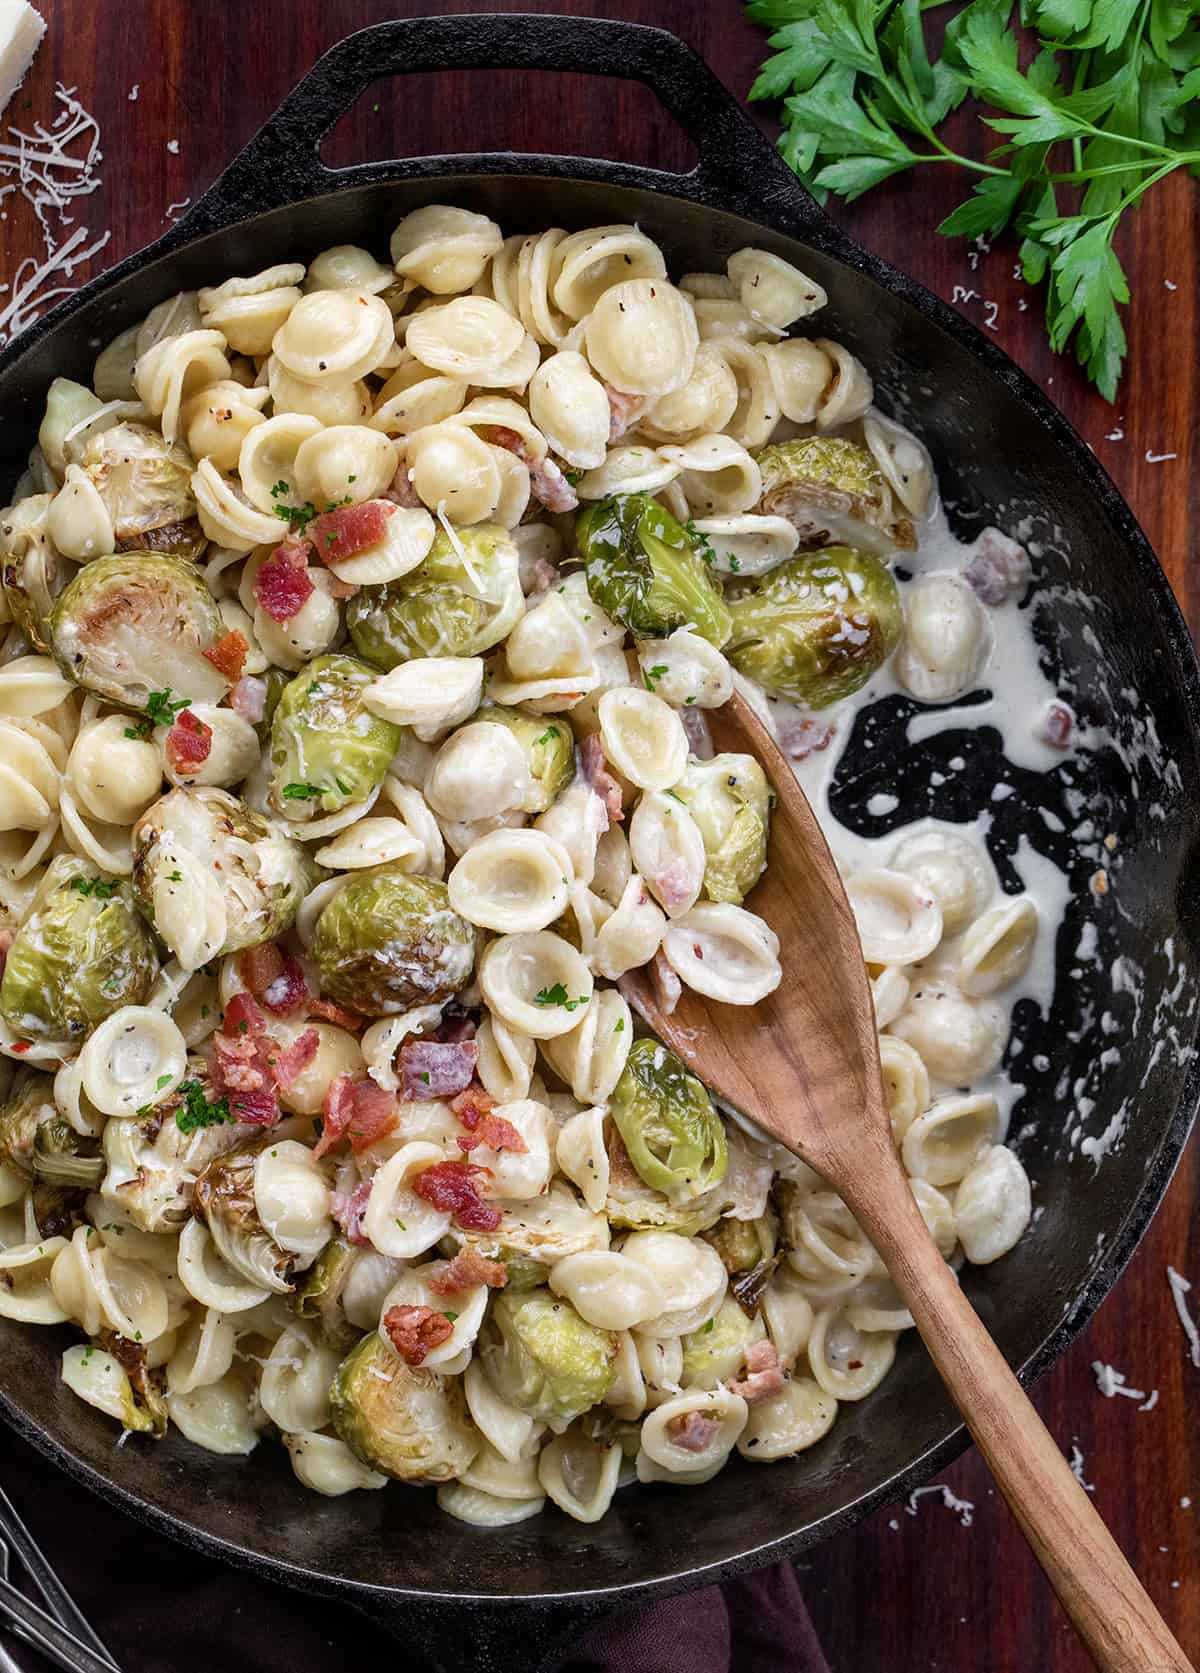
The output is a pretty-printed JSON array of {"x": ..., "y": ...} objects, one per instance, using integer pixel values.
[
  {"x": 1110, "y": 1381},
  {"x": 1180, "y": 1287},
  {"x": 963, "y": 1508},
  {"x": 21, "y": 31},
  {"x": 1076, "y": 1462}
]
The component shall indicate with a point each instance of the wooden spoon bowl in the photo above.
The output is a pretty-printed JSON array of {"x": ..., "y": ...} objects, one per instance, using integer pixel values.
[{"x": 804, "y": 1065}]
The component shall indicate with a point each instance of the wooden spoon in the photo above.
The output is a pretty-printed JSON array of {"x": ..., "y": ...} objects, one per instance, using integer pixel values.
[{"x": 804, "y": 1065}]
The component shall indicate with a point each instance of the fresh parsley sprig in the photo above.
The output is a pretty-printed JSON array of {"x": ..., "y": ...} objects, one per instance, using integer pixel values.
[{"x": 1108, "y": 106}]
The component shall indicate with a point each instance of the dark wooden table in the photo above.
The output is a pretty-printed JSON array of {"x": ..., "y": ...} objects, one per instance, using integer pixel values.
[{"x": 900, "y": 1592}]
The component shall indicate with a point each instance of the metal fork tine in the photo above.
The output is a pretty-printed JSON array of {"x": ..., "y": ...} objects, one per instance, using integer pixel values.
[{"x": 58, "y": 1600}]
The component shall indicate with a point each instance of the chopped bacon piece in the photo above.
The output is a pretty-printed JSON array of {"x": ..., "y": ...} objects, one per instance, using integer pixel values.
[
  {"x": 289, "y": 1062},
  {"x": 355, "y": 1109},
  {"x": 1056, "y": 725},
  {"x": 249, "y": 698},
  {"x": 624, "y": 411},
  {"x": 436, "y": 1070},
  {"x": 401, "y": 492},
  {"x": 675, "y": 885},
  {"x": 451, "y": 1187},
  {"x": 274, "y": 977},
  {"x": 241, "y": 1065},
  {"x": 228, "y": 655},
  {"x": 257, "y": 1108},
  {"x": 242, "y": 1016},
  {"x": 595, "y": 770},
  {"x": 548, "y": 484},
  {"x": 800, "y": 737},
  {"x": 698, "y": 733},
  {"x": 467, "y": 1271},
  {"x": 764, "y": 1374},
  {"x": 693, "y": 1431},
  {"x": 348, "y": 1208},
  {"x": 283, "y": 584},
  {"x": 416, "y": 1331},
  {"x": 327, "y": 1011},
  {"x": 497, "y": 1134},
  {"x": 188, "y": 744},
  {"x": 999, "y": 567},
  {"x": 472, "y": 1105},
  {"x": 350, "y": 529}
]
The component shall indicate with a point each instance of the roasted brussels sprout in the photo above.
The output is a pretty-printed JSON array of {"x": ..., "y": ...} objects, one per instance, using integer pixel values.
[
  {"x": 815, "y": 629},
  {"x": 462, "y": 599},
  {"x": 831, "y": 489},
  {"x": 319, "y": 1296},
  {"x": 63, "y": 1159},
  {"x": 145, "y": 1409},
  {"x": 544, "y": 1359},
  {"x": 729, "y": 798},
  {"x": 224, "y": 1196},
  {"x": 32, "y": 569},
  {"x": 388, "y": 941},
  {"x": 715, "y": 1352},
  {"x": 327, "y": 749},
  {"x": 535, "y": 1233},
  {"x": 643, "y": 569},
  {"x": 213, "y": 877},
  {"x": 28, "y": 1103},
  {"x": 668, "y": 1123},
  {"x": 146, "y": 485},
  {"x": 152, "y": 1163},
  {"x": 138, "y": 623},
  {"x": 79, "y": 956},
  {"x": 58, "y": 1209},
  {"x": 549, "y": 747},
  {"x": 742, "y": 1244},
  {"x": 405, "y": 1421}
]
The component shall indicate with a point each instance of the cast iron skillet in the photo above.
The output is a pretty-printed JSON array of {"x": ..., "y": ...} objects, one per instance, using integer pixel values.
[{"x": 1111, "y": 635}]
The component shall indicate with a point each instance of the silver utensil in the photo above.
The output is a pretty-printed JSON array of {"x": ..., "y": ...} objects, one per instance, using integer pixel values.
[
  {"x": 58, "y": 1600},
  {"x": 49, "y": 1635}
]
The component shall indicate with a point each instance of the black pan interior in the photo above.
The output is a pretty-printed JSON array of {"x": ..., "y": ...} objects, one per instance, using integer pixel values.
[{"x": 1110, "y": 634}]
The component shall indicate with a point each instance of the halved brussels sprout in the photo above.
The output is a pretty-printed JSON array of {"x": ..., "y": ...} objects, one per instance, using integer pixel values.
[
  {"x": 319, "y": 1297},
  {"x": 145, "y": 1411},
  {"x": 831, "y": 489},
  {"x": 152, "y": 1163},
  {"x": 742, "y": 1244},
  {"x": 146, "y": 485},
  {"x": 644, "y": 570},
  {"x": 544, "y": 1359},
  {"x": 28, "y": 1103},
  {"x": 729, "y": 798},
  {"x": 224, "y": 1196},
  {"x": 407, "y": 1422},
  {"x": 63, "y": 1159},
  {"x": 32, "y": 570},
  {"x": 78, "y": 957},
  {"x": 462, "y": 598},
  {"x": 714, "y": 1353},
  {"x": 58, "y": 1209},
  {"x": 138, "y": 623},
  {"x": 191, "y": 844},
  {"x": 327, "y": 749},
  {"x": 549, "y": 747},
  {"x": 388, "y": 941},
  {"x": 668, "y": 1123},
  {"x": 815, "y": 629}
]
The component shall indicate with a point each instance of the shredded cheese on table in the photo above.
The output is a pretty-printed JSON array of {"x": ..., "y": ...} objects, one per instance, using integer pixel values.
[{"x": 1180, "y": 1288}]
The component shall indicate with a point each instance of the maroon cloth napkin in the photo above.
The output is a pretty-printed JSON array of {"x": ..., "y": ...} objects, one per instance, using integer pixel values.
[{"x": 161, "y": 1608}]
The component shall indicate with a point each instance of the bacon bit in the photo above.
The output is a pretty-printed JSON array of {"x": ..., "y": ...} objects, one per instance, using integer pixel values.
[
  {"x": 433, "y": 1069},
  {"x": 249, "y": 698},
  {"x": 472, "y": 1105},
  {"x": 339, "y": 588},
  {"x": 545, "y": 576},
  {"x": 1056, "y": 726},
  {"x": 1000, "y": 567},
  {"x": 668, "y": 989},
  {"x": 624, "y": 410},
  {"x": 327, "y": 1011},
  {"x": 283, "y": 585},
  {"x": 450, "y": 1187},
  {"x": 291, "y": 1061},
  {"x": 255, "y": 1108},
  {"x": 548, "y": 484},
  {"x": 801, "y": 737},
  {"x": 348, "y": 1208},
  {"x": 20, "y": 1047},
  {"x": 228, "y": 655},
  {"x": 467, "y": 1271},
  {"x": 350, "y": 529},
  {"x": 242, "y": 1016},
  {"x": 274, "y": 977},
  {"x": 416, "y": 1331},
  {"x": 698, "y": 733},
  {"x": 188, "y": 744},
  {"x": 401, "y": 492},
  {"x": 693, "y": 1431},
  {"x": 495, "y": 1133},
  {"x": 764, "y": 1374},
  {"x": 243, "y": 1061},
  {"x": 595, "y": 771},
  {"x": 355, "y": 1109},
  {"x": 854, "y": 1365},
  {"x": 674, "y": 885}
]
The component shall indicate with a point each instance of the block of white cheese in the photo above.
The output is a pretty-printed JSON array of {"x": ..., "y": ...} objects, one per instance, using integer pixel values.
[{"x": 21, "y": 31}]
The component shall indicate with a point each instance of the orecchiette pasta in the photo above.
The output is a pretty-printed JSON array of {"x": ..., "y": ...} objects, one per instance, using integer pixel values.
[
  {"x": 992, "y": 1205},
  {"x": 945, "y": 639},
  {"x": 898, "y": 921},
  {"x": 334, "y": 336},
  {"x": 725, "y": 952}
]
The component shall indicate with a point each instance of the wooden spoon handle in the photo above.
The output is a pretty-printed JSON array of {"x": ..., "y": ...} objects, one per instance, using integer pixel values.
[{"x": 1095, "y": 1585}]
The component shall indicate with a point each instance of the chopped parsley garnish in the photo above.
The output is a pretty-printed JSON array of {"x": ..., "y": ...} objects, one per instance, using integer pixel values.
[
  {"x": 557, "y": 995},
  {"x": 653, "y": 675},
  {"x": 700, "y": 541},
  {"x": 196, "y": 1111},
  {"x": 450, "y": 1316},
  {"x": 301, "y": 792},
  {"x": 299, "y": 516},
  {"x": 549, "y": 736},
  {"x": 620, "y": 1028},
  {"x": 95, "y": 886},
  {"x": 174, "y": 877},
  {"x": 707, "y": 1330},
  {"x": 402, "y": 1226},
  {"x": 163, "y": 1080},
  {"x": 735, "y": 564},
  {"x": 161, "y": 710},
  {"x": 573, "y": 477},
  {"x": 425, "y": 1076},
  {"x": 676, "y": 798}
]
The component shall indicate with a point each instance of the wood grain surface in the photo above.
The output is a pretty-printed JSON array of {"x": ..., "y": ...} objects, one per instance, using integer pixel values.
[{"x": 901, "y": 1592}]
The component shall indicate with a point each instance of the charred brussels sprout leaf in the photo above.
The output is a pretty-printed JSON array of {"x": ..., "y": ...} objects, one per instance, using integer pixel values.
[
  {"x": 225, "y": 1197},
  {"x": 32, "y": 570},
  {"x": 136, "y": 623},
  {"x": 388, "y": 941},
  {"x": 643, "y": 569},
  {"x": 730, "y": 800},
  {"x": 462, "y": 599},
  {"x": 77, "y": 958},
  {"x": 328, "y": 751},
  {"x": 715, "y": 1352},
  {"x": 816, "y": 629},
  {"x": 668, "y": 1123},
  {"x": 549, "y": 747},
  {"x": 830, "y": 489},
  {"x": 543, "y": 1358},
  {"x": 152, "y": 1163},
  {"x": 214, "y": 877},
  {"x": 63, "y": 1159},
  {"x": 407, "y": 1422},
  {"x": 29, "y": 1102},
  {"x": 145, "y": 483},
  {"x": 319, "y": 1297}
]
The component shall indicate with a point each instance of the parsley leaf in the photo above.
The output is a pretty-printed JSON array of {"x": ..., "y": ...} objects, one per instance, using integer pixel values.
[
  {"x": 557, "y": 995},
  {"x": 96, "y": 887},
  {"x": 301, "y": 792},
  {"x": 196, "y": 1111},
  {"x": 653, "y": 675},
  {"x": 161, "y": 710}
]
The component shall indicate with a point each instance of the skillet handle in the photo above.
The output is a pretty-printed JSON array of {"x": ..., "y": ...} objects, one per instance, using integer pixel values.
[{"x": 738, "y": 168}]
